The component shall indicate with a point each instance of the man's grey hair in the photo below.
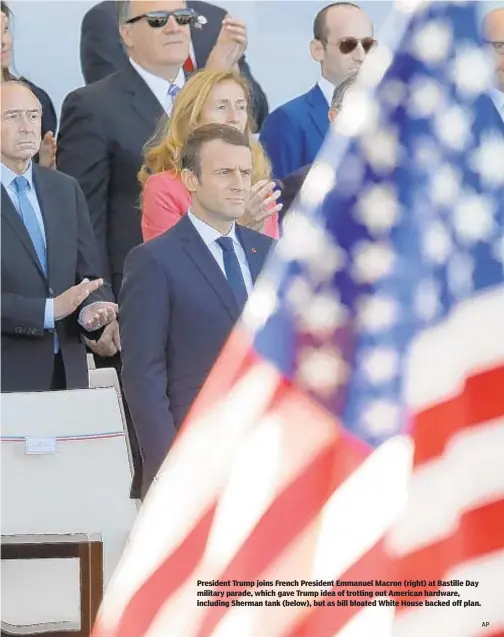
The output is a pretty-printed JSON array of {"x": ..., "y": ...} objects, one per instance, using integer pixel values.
[
  {"x": 340, "y": 91},
  {"x": 123, "y": 10}
]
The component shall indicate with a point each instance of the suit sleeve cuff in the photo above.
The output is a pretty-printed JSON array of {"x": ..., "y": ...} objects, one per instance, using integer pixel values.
[{"x": 49, "y": 314}]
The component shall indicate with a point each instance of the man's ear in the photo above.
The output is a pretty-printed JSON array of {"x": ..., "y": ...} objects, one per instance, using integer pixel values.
[
  {"x": 124, "y": 32},
  {"x": 317, "y": 50},
  {"x": 189, "y": 180}
]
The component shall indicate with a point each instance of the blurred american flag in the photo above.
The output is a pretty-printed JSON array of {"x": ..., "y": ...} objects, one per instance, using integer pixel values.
[{"x": 372, "y": 345}]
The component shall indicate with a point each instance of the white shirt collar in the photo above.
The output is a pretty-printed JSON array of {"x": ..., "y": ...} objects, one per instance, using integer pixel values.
[
  {"x": 209, "y": 234},
  {"x": 9, "y": 175},
  {"x": 158, "y": 85},
  {"x": 327, "y": 89},
  {"x": 498, "y": 98}
]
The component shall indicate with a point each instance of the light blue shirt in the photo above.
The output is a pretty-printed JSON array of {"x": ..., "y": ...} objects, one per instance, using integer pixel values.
[
  {"x": 8, "y": 177},
  {"x": 210, "y": 236}
]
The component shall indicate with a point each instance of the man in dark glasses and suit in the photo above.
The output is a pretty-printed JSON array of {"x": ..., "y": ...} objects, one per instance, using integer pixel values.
[
  {"x": 105, "y": 126},
  {"x": 102, "y": 52},
  {"x": 293, "y": 133}
]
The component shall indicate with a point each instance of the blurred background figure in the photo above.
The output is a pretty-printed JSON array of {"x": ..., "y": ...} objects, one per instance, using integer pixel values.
[
  {"x": 294, "y": 133},
  {"x": 209, "y": 97},
  {"x": 292, "y": 184},
  {"x": 102, "y": 52},
  {"x": 493, "y": 30},
  {"x": 47, "y": 154}
]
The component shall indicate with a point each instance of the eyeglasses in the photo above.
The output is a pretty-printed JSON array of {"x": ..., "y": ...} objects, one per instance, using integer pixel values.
[
  {"x": 498, "y": 47},
  {"x": 158, "y": 19},
  {"x": 347, "y": 45}
]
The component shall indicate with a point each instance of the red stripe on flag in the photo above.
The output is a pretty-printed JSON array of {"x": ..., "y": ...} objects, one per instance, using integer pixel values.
[
  {"x": 147, "y": 601},
  {"x": 288, "y": 515},
  {"x": 325, "y": 621},
  {"x": 479, "y": 533},
  {"x": 482, "y": 399}
]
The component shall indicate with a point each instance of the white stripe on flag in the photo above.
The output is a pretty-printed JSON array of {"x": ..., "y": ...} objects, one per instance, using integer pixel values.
[
  {"x": 362, "y": 510},
  {"x": 468, "y": 475},
  {"x": 375, "y": 621},
  {"x": 447, "y": 621},
  {"x": 279, "y": 447},
  {"x": 470, "y": 339},
  {"x": 205, "y": 449}
]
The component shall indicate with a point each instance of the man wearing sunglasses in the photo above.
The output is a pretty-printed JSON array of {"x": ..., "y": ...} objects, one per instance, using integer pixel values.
[
  {"x": 293, "y": 134},
  {"x": 292, "y": 184},
  {"x": 102, "y": 52},
  {"x": 493, "y": 27}
]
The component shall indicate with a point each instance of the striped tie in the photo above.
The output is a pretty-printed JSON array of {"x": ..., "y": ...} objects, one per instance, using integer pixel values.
[{"x": 172, "y": 93}]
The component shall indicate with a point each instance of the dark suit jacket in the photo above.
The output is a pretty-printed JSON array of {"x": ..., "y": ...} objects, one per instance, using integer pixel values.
[
  {"x": 104, "y": 127},
  {"x": 293, "y": 134},
  {"x": 102, "y": 53},
  {"x": 290, "y": 187},
  {"x": 27, "y": 349},
  {"x": 176, "y": 312}
]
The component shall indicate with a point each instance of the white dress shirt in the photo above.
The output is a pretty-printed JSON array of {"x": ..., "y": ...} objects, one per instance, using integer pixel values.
[
  {"x": 159, "y": 86},
  {"x": 210, "y": 236},
  {"x": 498, "y": 98},
  {"x": 327, "y": 89}
]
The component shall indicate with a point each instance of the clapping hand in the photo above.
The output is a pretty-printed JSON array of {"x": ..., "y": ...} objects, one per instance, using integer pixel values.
[
  {"x": 262, "y": 204},
  {"x": 47, "y": 151},
  {"x": 230, "y": 46},
  {"x": 109, "y": 343},
  {"x": 98, "y": 315}
]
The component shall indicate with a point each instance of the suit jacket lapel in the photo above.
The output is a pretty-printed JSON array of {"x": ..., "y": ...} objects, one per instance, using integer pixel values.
[
  {"x": 142, "y": 100},
  {"x": 255, "y": 257},
  {"x": 318, "y": 109},
  {"x": 195, "y": 247},
  {"x": 13, "y": 218},
  {"x": 51, "y": 209}
]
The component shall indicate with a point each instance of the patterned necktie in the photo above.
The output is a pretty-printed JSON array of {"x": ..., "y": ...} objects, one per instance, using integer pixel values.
[
  {"x": 233, "y": 271},
  {"x": 30, "y": 220},
  {"x": 172, "y": 93}
]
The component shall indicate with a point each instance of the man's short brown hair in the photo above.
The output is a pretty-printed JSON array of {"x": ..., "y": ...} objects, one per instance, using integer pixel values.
[{"x": 190, "y": 154}]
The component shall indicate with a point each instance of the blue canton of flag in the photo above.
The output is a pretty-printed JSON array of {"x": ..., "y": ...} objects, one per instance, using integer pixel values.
[{"x": 391, "y": 239}]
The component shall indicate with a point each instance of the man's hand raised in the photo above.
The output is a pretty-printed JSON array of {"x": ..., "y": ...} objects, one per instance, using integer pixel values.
[
  {"x": 98, "y": 315},
  {"x": 66, "y": 303},
  {"x": 230, "y": 46}
]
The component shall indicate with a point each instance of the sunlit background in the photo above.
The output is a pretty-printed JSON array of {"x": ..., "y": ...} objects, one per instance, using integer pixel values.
[{"x": 279, "y": 33}]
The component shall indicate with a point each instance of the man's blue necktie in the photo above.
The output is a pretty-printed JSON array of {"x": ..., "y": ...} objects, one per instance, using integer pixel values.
[
  {"x": 233, "y": 271},
  {"x": 173, "y": 91},
  {"x": 30, "y": 220}
]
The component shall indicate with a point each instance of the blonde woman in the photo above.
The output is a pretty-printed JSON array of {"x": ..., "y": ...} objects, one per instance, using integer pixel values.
[{"x": 220, "y": 97}]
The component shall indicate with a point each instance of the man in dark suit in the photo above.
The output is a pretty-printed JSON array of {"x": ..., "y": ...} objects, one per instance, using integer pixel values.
[
  {"x": 184, "y": 290},
  {"x": 292, "y": 184},
  {"x": 104, "y": 127},
  {"x": 50, "y": 269},
  {"x": 294, "y": 132},
  {"x": 102, "y": 52}
]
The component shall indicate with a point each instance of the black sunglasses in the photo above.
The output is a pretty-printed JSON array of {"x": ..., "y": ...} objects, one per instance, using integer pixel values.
[
  {"x": 158, "y": 19},
  {"x": 347, "y": 45}
]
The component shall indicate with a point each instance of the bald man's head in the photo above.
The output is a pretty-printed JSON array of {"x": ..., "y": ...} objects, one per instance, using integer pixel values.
[{"x": 493, "y": 31}]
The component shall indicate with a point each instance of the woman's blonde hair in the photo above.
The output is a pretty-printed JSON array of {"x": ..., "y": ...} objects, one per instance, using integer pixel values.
[{"x": 187, "y": 108}]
